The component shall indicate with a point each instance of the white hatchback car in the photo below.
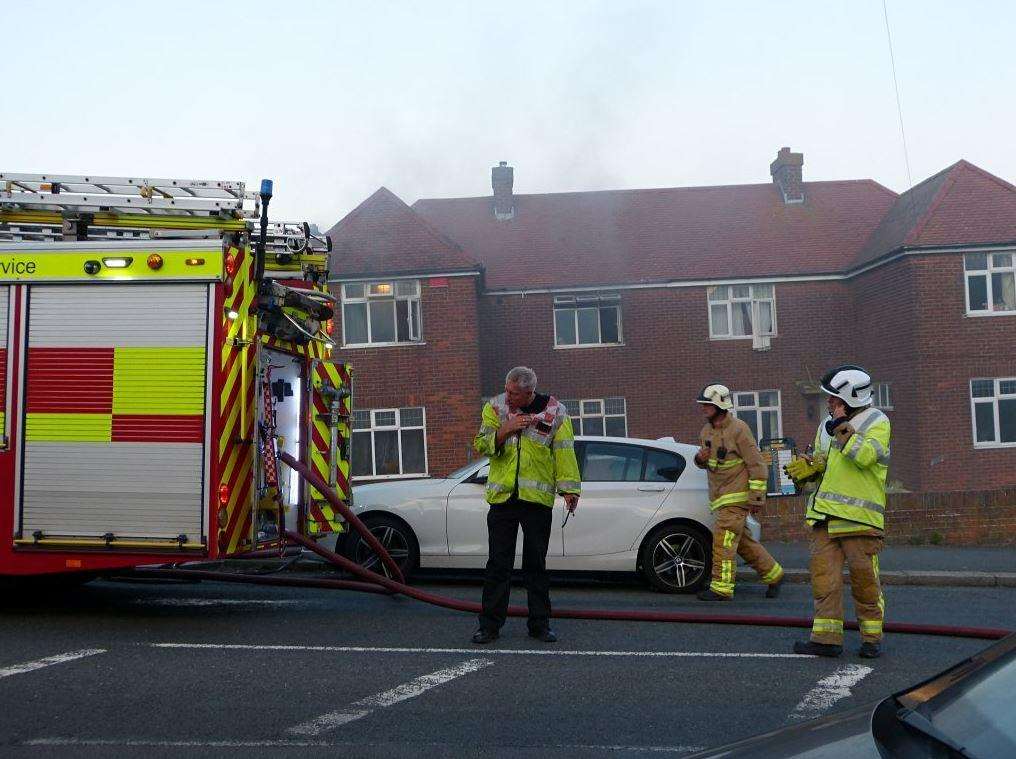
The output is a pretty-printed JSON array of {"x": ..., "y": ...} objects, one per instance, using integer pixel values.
[{"x": 644, "y": 508}]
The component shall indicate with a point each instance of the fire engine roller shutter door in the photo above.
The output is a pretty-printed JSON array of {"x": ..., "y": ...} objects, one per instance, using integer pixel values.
[{"x": 115, "y": 407}]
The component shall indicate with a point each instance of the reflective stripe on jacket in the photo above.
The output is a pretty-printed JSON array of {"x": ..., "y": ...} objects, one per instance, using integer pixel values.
[
  {"x": 740, "y": 470},
  {"x": 851, "y": 493},
  {"x": 536, "y": 463}
]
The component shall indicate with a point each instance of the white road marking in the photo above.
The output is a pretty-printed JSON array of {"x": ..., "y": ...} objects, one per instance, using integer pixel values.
[
  {"x": 829, "y": 690},
  {"x": 295, "y": 743},
  {"x": 214, "y": 602},
  {"x": 49, "y": 661},
  {"x": 399, "y": 693},
  {"x": 170, "y": 744},
  {"x": 485, "y": 651}
]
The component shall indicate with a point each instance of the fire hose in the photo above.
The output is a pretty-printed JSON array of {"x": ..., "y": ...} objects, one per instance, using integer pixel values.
[{"x": 372, "y": 582}]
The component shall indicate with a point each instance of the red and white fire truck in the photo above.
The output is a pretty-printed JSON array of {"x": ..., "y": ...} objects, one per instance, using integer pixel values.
[{"x": 160, "y": 343}]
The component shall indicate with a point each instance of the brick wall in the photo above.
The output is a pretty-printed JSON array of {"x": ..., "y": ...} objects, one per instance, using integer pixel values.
[
  {"x": 982, "y": 517},
  {"x": 441, "y": 374},
  {"x": 667, "y": 356}
]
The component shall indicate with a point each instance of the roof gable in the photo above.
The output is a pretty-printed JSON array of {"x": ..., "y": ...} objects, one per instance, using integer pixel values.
[
  {"x": 384, "y": 236},
  {"x": 961, "y": 205}
]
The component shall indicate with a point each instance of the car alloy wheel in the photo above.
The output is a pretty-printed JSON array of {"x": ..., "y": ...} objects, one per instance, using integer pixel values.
[{"x": 677, "y": 559}]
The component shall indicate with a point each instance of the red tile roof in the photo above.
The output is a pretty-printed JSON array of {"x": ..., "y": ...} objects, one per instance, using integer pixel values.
[
  {"x": 961, "y": 205},
  {"x": 658, "y": 235},
  {"x": 384, "y": 236}
]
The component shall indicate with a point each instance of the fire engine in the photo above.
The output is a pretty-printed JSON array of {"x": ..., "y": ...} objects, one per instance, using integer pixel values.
[{"x": 161, "y": 344}]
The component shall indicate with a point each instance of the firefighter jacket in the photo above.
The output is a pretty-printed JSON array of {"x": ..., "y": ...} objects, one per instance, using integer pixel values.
[
  {"x": 534, "y": 464},
  {"x": 735, "y": 466},
  {"x": 851, "y": 493}
]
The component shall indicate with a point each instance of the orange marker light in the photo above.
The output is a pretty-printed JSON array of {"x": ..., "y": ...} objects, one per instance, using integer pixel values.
[
  {"x": 232, "y": 263},
  {"x": 195, "y": 261},
  {"x": 154, "y": 261}
]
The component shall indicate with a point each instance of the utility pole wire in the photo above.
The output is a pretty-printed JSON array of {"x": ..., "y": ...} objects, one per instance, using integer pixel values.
[{"x": 896, "y": 86}]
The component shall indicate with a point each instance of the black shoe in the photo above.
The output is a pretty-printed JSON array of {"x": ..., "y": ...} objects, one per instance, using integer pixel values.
[
  {"x": 546, "y": 635},
  {"x": 482, "y": 637},
  {"x": 817, "y": 649},
  {"x": 711, "y": 595},
  {"x": 869, "y": 650},
  {"x": 773, "y": 591}
]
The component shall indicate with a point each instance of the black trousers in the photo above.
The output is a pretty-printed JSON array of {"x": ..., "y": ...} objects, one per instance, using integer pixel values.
[{"x": 503, "y": 521}]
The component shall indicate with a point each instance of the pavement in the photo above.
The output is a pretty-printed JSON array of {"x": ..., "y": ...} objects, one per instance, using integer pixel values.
[
  {"x": 957, "y": 566},
  {"x": 203, "y": 669}
]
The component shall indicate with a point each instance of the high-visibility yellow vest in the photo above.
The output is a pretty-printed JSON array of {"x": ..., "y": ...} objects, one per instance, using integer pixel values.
[
  {"x": 852, "y": 487},
  {"x": 535, "y": 464}
]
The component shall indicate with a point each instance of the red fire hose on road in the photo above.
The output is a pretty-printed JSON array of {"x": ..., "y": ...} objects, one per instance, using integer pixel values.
[{"x": 376, "y": 583}]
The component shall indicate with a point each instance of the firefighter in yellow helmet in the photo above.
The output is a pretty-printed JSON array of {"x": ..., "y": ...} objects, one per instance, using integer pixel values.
[
  {"x": 846, "y": 512},
  {"x": 737, "y": 487}
]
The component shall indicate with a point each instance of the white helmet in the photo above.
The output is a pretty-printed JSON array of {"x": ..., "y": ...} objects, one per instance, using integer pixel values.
[
  {"x": 850, "y": 383},
  {"x": 717, "y": 395}
]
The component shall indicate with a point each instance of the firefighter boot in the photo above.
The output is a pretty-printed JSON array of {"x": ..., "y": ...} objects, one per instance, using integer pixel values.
[
  {"x": 711, "y": 595},
  {"x": 482, "y": 637},
  {"x": 811, "y": 648},
  {"x": 773, "y": 591},
  {"x": 869, "y": 650}
]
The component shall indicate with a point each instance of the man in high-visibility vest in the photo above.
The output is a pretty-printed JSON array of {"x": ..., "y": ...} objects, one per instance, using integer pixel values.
[
  {"x": 846, "y": 512},
  {"x": 737, "y": 487},
  {"x": 529, "y": 439}
]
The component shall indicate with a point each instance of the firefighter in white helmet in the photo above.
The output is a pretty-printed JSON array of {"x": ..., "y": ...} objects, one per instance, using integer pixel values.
[
  {"x": 846, "y": 512},
  {"x": 737, "y": 486}
]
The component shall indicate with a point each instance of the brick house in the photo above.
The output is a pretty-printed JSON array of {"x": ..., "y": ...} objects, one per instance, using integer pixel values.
[{"x": 627, "y": 302}]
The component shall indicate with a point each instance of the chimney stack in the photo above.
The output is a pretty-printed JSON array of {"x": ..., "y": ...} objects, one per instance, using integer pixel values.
[
  {"x": 787, "y": 174},
  {"x": 502, "y": 177}
]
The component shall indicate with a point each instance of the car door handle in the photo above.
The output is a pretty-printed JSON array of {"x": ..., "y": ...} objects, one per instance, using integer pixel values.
[{"x": 651, "y": 489}]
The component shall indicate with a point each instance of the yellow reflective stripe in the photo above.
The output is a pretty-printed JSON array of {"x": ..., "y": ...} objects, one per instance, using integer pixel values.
[
  {"x": 725, "y": 585},
  {"x": 159, "y": 381},
  {"x": 69, "y": 428},
  {"x": 871, "y": 627},
  {"x": 729, "y": 499},
  {"x": 820, "y": 625},
  {"x": 845, "y": 526},
  {"x": 757, "y": 484},
  {"x": 567, "y": 486},
  {"x": 773, "y": 575},
  {"x": 728, "y": 464},
  {"x": 728, "y": 538}
]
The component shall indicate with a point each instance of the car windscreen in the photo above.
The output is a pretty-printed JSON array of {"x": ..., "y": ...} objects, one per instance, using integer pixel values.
[
  {"x": 980, "y": 717},
  {"x": 462, "y": 471}
]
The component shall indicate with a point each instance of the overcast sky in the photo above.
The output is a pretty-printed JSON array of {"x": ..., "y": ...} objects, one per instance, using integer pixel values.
[{"x": 334, "y": 99}]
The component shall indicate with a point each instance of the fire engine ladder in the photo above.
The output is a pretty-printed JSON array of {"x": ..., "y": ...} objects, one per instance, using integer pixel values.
[{"x": 61, "y": 207}]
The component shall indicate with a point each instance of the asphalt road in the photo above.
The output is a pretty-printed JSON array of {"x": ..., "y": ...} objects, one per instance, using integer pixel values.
[{"x": 215, "y": 670}]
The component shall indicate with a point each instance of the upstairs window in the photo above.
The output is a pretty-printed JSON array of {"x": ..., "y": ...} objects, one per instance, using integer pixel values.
[
  {"x": 761, "y": 412},
  {"x": 599, "y": 416},
  {"x": 389, "y": 442},
  {"x": 381, "y": 313},
  {"x": 882, "y": 396},
  {"x": 587, "y": 320},
  {"x": 993, "y": 407},
  {"x": 741, "y": 311},
  {"x": 991, "y": 283}
]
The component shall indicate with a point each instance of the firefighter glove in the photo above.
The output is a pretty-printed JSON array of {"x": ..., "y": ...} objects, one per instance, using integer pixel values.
[{"x": 801, "y": 469}]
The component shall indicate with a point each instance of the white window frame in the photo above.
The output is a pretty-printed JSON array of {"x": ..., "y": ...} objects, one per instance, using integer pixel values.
[
  {"x": 415, "y": 338},
  {"x": 729, "y": 300},
  {"x": 375, "y": 427},
  {"x": 580, "y": 301},
  {"x": 778, "y": 408},
  {"x": 993, "y": 399},
  {"x": 989, "y": 269},
  {"x": 882, "y": 395},
  {"x": 581, "y": 414}
]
